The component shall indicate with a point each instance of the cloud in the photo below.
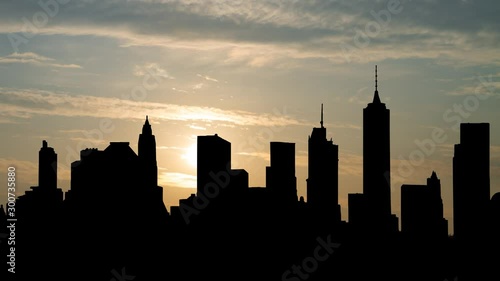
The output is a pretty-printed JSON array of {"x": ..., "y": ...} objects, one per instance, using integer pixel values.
[
  {"x": 262, "y": 155},
  {"x": 25, "y": 103},
  {"x": 177, "y": 180},
  {"x": 208, "y": 78},
  {"x": 152, "y": 69},
  {"x": 195, "y": 127},
  {"x": 483, "y": 86},
  {"x": 26, "y": 171},
  {"x": 180, "y": 91},
  {"x": 163, "y": 147},
  {"x": 350, "y": 164},
  {"x": 34, "y": 59},
  {"x": 345, "y": 126},
  {"x": 198, "y": 86},
  {"x": 272, "y": 32}
]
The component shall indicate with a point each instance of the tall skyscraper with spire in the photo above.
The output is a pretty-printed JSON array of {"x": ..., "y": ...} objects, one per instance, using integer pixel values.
[
  {"x": 323, "y": 179},
  {"x": 147, "y": 154},
  {"x": 377, "y": 160}
]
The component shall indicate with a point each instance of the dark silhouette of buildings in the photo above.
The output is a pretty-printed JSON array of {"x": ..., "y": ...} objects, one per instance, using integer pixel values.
[
  {"x": 471, "y": 181},
  {"x": 213, "y": 157},
  {"x": 471, "y": 201},
  {"x": 422, "y": 211},
  {"x": 46, "y": 193},
  {"x": 47, "y": 167},
  {"x": 376, "y": 170},
  {"x": 112, "y": 223},
  {"x": 323, "y": 176},
  {"x": 280, "y": 175},
  {"x": 38, "y": 210},
  {"x": 147, "y": 155}
]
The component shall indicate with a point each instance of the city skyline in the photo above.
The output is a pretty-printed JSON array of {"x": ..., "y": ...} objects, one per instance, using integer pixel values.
[
  {"x": 251, "y": 72},
  {"x": 422, "y": 148},
  {"x": 106, "y": 185}
]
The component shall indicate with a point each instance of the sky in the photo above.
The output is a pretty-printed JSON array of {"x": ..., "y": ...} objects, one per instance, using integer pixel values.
[{"x": 83, "y": 73}]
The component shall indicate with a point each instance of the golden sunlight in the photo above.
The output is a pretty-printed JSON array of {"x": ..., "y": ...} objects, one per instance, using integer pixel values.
[{"x": 190, "y": 155}]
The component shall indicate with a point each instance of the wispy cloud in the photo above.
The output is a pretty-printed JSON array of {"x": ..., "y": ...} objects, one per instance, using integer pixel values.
[
  {"x": 195, "y": 127},
  {"x": 151, "y": 69},
  {"x": 208, "y": 78},
  {"x": 350, "y": 164},
  {"x": 269, "y": 33},
  {"x": 177, "y": 180},
  {"x": 262, "y": 155},
  {"x": 34, "y": 59},
  {"x": 198, "y": 86},
  {"x": 26, "y": 103},
  {"x": 484, "y": 88},
  {"x": 26, "y": 171},
  {"x": 345, "y": 126},
  {"x": 180, "y": 90}
]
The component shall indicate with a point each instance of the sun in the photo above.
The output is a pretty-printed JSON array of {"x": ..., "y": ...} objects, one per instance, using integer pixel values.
[{"x": 190, "y": 155}]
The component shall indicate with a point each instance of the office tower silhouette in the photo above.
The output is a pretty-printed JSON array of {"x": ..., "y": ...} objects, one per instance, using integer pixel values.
[
  {"x": 38, "y": 210},
  {"x": 471, "y": 200},
  {"x": 357, "y": 210},
  {"x": 422, "y": 211},
  {"x": 494, "y": 220},
  {"x": 376, "y": 163},
  {"x": 280, "y": 175},
  {"x": 323, "y": 176},
  {"x": 47, "y": 166},
  {"x": 46, "y": 196},
  {"x": 147, "y": 155},
  {"x": 110, "y": 189},
  {"x": 213, "y": 157},
  {"x": 471, "y": 182}
]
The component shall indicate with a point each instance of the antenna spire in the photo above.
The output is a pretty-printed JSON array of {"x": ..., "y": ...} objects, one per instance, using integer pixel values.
[
  {"x": 376, "y": 79},
  {"x": 321, "y": 122}
]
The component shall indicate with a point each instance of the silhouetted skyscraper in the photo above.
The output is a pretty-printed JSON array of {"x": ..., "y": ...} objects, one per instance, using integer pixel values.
[
  {"x": 47, "y": 167},
  {"x": 323, "y": 175},
  {"x": 38, "y": 210},
  {"x": 213, "y": 157},
  {"x": 46, "y": 192},
  {"x": 422, "y": 211},
  {"x": 280, "y": 175},
  {"x": 357, "y": 209},
  {"x": 147, "y": 155},
  {"x": 471, "y": 181},
  {"x": 377, "y": 161}
]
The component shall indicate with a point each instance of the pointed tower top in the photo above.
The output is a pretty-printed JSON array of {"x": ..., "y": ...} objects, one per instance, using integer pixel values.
[
  {"x": 146, "y": 128},
  {"x": 376, "y": 98},
  {"x": 321, "y": 122},
  {"x": 434, "y": 175}
]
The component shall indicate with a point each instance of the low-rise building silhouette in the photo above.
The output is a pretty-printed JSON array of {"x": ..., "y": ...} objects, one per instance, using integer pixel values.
[{"x": 422, "y": 211}]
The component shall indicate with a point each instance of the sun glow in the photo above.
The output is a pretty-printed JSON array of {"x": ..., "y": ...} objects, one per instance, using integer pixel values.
[{"x": 190, "y": 155}]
